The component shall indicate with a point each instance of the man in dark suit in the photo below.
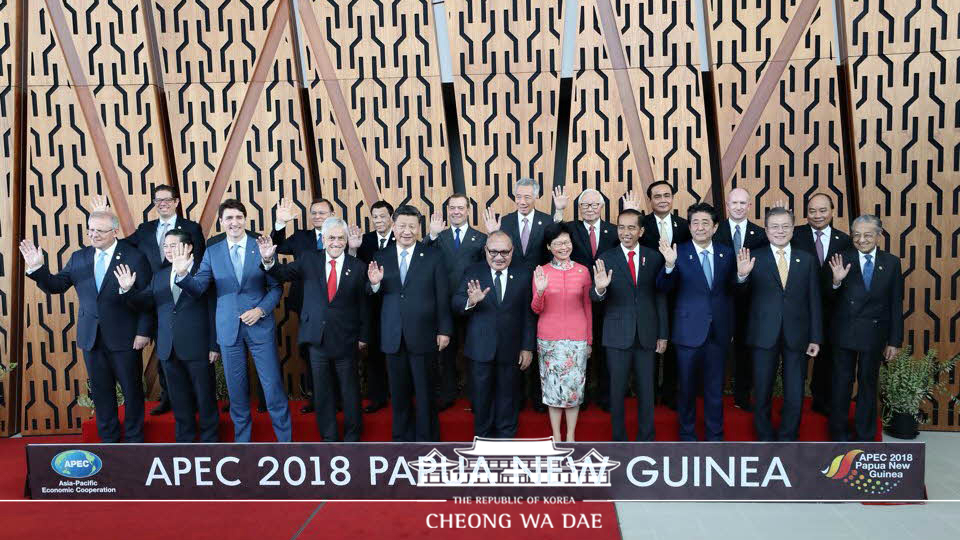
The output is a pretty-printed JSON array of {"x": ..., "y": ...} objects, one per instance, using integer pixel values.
[
  {"x": 494, "y": 298},
  {"x": 703, "y": 275},
  {"x": 662, "y": 224},
  {"x": 785, "y": 321},
  {"x": 525, "y": 227},
  {"x": 334, "y": 323},
  {"x": 591, "y": 236},
  {"x": 867, "y": 326},
  {"x": 300, "y": 242},
  {"x": 415, "y": 323},
  {"x": 148, "y": 238},
  {"x": 738, "y": 232},
  {"x": 819, "y": 238},
  {"x": 110, "y": 332},
  {"x": 461, "y": 246},
  {"x": 375, "y": 363},
  {"x": 635, "y": 325},
  {"x": 242, "y": 288},
  {"x": 186, "y": 342}
]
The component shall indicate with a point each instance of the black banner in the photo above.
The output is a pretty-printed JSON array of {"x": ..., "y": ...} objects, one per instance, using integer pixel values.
[{"x": 491, "y": 470}]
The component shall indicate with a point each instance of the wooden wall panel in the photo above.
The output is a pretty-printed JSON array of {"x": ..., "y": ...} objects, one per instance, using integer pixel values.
[
  {"x": 8, "y": 303},
  {"x": 795, "y": 148},
  {"x": 907, "y": 128}
]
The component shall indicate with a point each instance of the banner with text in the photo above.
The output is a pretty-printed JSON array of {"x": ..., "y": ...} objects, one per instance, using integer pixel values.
[{"x": 501, "y": 470}]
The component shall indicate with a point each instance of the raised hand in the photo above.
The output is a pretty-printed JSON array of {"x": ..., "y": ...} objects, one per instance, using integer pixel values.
[
  {"x": 437, "y": 225},
  {"x": 267, "y": 248},
  {"x": 669, "y": 253},
  {"x": 182, "y": 259},
  {"x": 475, "y": 293},
  {"x": 601, "y": 276},
  {"x": 839, "y": 270},
  {"x": 745, "y": 262},
  {"x": 286, "y": 211},
  {"x": 98, "y": 203},
  {"x": 491, "y": 220},
  {"x": 779, "y": 203},
  {"x": 374, "y": 273},
  {"x": 32, "y": 255},
  {"x": 560, "y": 198},
  {"x": 540, "y": 280},
  {"x": 354, "y": 237},
  {"x": 125, "y": 278},
  {"x": 631, "y": 201}
]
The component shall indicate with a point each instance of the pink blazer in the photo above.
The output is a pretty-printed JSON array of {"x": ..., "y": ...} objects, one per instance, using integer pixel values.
[{"x": 565, "y": 309}]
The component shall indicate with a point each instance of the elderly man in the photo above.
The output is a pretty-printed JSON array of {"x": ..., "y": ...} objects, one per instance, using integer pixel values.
[
  {"x": 335, "y": 322},
  {"x": 109, "y": 331},
  {"x": 494, "y": 298},
  {"x": 867, "y": 325}
]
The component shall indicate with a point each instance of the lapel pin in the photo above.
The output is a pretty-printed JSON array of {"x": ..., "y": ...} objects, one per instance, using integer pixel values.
[
  {"x": 721, "y": 255},
  {"x": 879, "y": 268},
  {"x": 117, "y": 257},
  {"x": 539, "y": 223},
  {"x": 691, "y": 257},
  {"x": 421, "y": 254},
  {"x": 751, "y": 232},
  {"x": 473, "y": 238},
  {"x": 643, "y": 261},
  {"x": 511, "y": 276},
  {"x": 797, "y": 260},
  {"x": 836, "y": 237}
]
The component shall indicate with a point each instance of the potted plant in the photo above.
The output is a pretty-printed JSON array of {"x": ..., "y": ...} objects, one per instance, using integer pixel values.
[{"x": 905, "y": 383}]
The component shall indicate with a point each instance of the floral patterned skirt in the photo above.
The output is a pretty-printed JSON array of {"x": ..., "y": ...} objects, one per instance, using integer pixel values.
[{"x": 563, "y": 366}]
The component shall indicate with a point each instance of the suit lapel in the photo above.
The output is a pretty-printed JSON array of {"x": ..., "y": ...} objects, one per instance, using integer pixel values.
[
  {"x": 793, "y": 266},
  {"x": 416, "y": 252},
  {"x": 621, "y": 261},
  {"x": 250, "y": 259},
  {"x": 695, "y": 259},
  {"x": 111, "y": 266}
]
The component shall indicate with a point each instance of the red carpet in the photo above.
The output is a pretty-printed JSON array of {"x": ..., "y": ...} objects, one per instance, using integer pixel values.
[{"x": 456, "y": 424}]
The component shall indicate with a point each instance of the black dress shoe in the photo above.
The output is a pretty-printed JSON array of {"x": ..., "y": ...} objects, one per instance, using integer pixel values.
[
  {"x": 162, "y": 408},
  {"x": 307, "y": 409},
  {"x": 261, "y": 407},
  {"x": 743, "y": 405},
  {"x": 374, "y": 407},
  {"x": 540, "y": 407}
]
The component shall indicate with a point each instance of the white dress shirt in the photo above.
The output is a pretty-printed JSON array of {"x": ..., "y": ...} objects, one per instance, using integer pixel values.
[
  {"x": 383, "y": 240},
  {"x": 699, "y": 250},
  {"x": 668, "y": 226},
  {"x": 410, "y": 253},
  {"x": 743, "y": 230},
  {"x": 339, "y": 267},
  {"x": 243, "y": 246},
  {"x": 863, "y": 259},
  {"x": 786, "y": 254},
  {"x": 825, "y": 239},
  {"x": 453, "y": 232},
  {"x": 626, "y": 255}
]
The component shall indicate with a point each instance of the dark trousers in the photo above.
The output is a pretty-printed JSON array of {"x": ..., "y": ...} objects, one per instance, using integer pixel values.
[
  {"x": 765, "y": 362},
  {"x": 375, "y": 361},
  {"x": 304, "y": 350},
  {"x": 705, "y": 363},
  {"x": 448, "y": 380},
  {"x": 192, "y": 390},
  {"x": 107, "y": 368},
  {"x": 619, "y": 363},
  {"x": 494, "y": 397},
  {"x": 822, "y": 377},
  {"x": 742, "y": 355},
  {"x": 667, "y": 374},
  {"x": 326, "y": 370},
  {"x": 866, "y": 365},
  {"x": 528, "y": 384},
  {"x": 162, "y": 379},
  {"x": 410, "y": 375},
  {"x": 597, "y": 376}
]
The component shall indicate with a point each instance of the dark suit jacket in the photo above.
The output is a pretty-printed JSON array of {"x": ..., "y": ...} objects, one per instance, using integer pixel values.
[
  {"x": 187, "y": 327},
  {"x": 868, "y": 320},
  {"x": 753, "y": 237},
  {"x": 145, "y": 239},
  {"x": 458, "y": 260},
  {"x": 797, "y": 310},
  {"x": 220, "y": 237},
  {"x": 255, "y": 289},
  {"x": 651, "y": 235},
  {"x": 498, "y": 329},
  {"x": 370, "y": 246},
  {"x": 417, "y": 310},
  {"x": 104, "y": 311},
  {"x": 697, "y": 306},
  {"x": 335, "y": 326},
  {"x": 606, "y": 239},
  {"x": 300, "y": 242},
  {"x": 840, "y": 242},
  {"x": 633, "y": 311},
  {"x": 536, "y": 253}
]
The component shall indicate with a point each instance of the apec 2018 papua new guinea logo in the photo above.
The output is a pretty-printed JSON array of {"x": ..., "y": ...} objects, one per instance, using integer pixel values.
[{"x": 874, "y": 473}]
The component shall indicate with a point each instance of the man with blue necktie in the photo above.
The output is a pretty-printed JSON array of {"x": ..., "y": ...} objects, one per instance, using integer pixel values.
[
  {"x": 246, "y": 298},
  {"x": 110, "y": 332},
  {"x": 703, "y": 275}
]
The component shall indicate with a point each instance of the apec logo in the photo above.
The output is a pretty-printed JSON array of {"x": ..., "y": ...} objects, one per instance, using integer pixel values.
[{"x": 76, "y": 464}]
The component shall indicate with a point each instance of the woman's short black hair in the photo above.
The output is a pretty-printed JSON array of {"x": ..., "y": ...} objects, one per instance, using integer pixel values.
[{"x": 553, "y": 230}]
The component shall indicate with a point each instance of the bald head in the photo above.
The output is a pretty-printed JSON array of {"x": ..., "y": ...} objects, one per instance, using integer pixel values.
[{"x": 738, "y": 204}]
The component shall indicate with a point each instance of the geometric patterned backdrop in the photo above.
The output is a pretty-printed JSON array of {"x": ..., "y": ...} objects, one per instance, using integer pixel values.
[{"x": 343, "y": 99}]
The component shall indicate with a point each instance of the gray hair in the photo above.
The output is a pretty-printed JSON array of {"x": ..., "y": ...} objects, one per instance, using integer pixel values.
[
  {"x": 778, "y": 211},
  {"x": 332, "y": 223},
  {"x": 589, "y": 190},
  {"x": 527, "y": 182},
  {"x": 105, "y": 214},
  {"x": 871, "y": 219}
]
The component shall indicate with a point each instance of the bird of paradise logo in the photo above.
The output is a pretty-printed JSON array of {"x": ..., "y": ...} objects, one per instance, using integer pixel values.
[{"x": 843, "y": 468}]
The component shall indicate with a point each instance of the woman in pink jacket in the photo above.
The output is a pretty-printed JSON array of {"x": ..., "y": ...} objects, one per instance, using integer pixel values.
[{"x": 562, "y": 300}]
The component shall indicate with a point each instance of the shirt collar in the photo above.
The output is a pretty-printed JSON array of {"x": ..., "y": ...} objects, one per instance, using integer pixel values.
[
  {"x": 410, "y": 250},
  {"x": 734, "y": 224},
  {"x": 109, "y": 251},
  {"x": 172, "y": 222},
  {"x": 387, "y": 237},
  {"x": 338, "y": 259},
  {"x": 462, "y": 228},
  {"x": 242, "y": 243},
  {"x": 701, "y": 250},
  {"x": 873, "y": 255},
  {"x": 587, "y": 225},
  {"x": 826, "y": 232},
  {"x": 786, "y": 250},
  {"x": 528, "y": 216},
  {"x": 664, "y": 219},
  {"x": 636, "y": 249}
]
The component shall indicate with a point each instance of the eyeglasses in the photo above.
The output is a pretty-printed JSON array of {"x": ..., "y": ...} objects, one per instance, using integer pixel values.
[
  {"x": 499, "y": 253},
  {"x": 561, "y": 243},
  {"x": 164, "y": 201},
  {"x": 592, "y": 206},
  {"x": 99, "y": 231},
  {"x": 780, "y": 228}
]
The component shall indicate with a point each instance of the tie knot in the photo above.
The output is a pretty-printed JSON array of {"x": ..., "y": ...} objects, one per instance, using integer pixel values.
[
  {"x": 403, "y": 254},
  {"x": 819, "y": 234},
  {"x": 705, "y": 253},
  {"x": 631, "y": 254},
  {"x": 868, "y": 256},
  {"x": 333, "y": 264},
  {"x": 525, "y": 221},
  {"x": 593, "y": 228},
  {"x": 499, "y": 273},
  {"x": 737, "y": 228},
  {"x": 780, "y": 252}
]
